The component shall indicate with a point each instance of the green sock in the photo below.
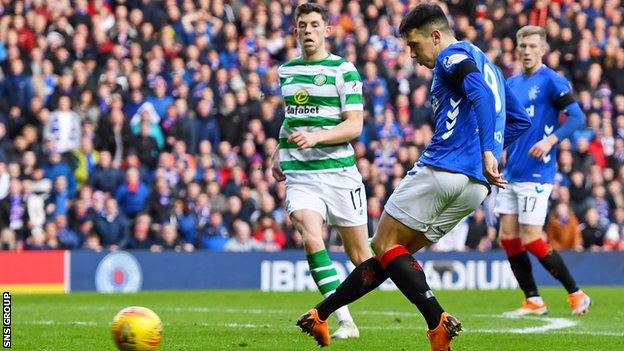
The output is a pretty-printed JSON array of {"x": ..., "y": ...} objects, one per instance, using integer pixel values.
[{"x": 323, "y": 272}]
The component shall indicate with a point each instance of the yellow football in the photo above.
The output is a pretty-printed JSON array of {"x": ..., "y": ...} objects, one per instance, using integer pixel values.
[{"x": 136, "y": 328}]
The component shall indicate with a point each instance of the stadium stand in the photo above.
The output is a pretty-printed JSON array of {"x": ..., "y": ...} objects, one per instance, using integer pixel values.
[{"x": 144, "y": 124}]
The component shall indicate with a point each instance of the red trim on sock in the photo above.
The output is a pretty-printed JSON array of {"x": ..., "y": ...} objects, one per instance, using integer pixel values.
[
  {"x": 539, "y": 248},
  {"x": 512, "y": 246},
  {"x": 393, "y": 253}
]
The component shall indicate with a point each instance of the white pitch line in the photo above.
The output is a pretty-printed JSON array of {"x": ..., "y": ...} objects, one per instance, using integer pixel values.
[
  {"x": 50, "y": 322},
  {"x": 552, "y": 323}
]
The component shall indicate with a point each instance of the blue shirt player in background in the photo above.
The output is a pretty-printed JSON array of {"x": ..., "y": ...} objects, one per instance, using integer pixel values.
[
  {"x": 472, "y": 126},
  {"x": 530, "y": 170}
]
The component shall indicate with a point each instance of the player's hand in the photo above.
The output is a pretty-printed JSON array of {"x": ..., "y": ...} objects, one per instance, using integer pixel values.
[
  {"x": 490, "y": 170},
  {"x": 541, "y": 148},
  {"x": 277, "y": 169},
  {"x": 303, "y": 140}
]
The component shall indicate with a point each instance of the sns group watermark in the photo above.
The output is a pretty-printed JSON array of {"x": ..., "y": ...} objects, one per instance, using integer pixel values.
[{"x": 6, "y": 320}]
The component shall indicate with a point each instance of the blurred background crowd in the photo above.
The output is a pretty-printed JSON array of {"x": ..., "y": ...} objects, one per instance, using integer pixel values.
[{"x": 149, "y": 124}]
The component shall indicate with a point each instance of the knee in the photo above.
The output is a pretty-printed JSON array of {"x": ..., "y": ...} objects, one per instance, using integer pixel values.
[
  {"x": 297, "y": 218},
  {"x": 360, "y": 254},
  {"x": 530, "y": 233},
  {"x": 506, "y": 234},
  {"x": 379, "y": 246}
]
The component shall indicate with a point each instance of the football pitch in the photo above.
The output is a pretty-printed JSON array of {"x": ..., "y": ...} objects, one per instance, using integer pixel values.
[{"x": 252, "y": 320}]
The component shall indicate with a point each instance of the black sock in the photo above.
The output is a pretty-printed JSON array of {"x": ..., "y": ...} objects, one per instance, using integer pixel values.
[
  {"x": 364, "y": 279},
  {"x": 522, "y": 269},
  {"x": 409, "y": 277},
  {"x": 556, "y": 267}
]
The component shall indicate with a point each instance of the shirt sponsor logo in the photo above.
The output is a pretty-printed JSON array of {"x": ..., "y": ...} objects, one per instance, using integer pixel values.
[
  {"x": 302, "y": 110},
  {"x": 302, "y": 97}
]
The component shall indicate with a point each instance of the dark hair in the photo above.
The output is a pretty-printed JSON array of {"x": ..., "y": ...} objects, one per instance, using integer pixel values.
[
  {"x": 304, "y": 9},
  {"x": 423, "y": 15}
]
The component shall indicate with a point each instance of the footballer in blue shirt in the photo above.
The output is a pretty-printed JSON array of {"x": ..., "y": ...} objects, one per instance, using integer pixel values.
[
  {"x": 530, "y": 170},
  {"x": 476, "y": 115}
]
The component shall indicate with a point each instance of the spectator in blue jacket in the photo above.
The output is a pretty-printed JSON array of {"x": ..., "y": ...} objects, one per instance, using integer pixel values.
[
  {"x": 206, "y": 125},
  {"x": 17, "y": 89},
  {"x": 133, "y": 194},
  {"x": 112, "y": 227},
  {"x": 142, "y": 237},
  {"x": 58, "y": 202},
  {"x": 160, "y": 100},
  {"x": 68, "y": 238},
  {"x": 57, "y": 167},
  {"x": 104, "y": 177}
]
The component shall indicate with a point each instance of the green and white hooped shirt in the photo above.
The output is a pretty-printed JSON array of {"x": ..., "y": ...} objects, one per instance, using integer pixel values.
[{"x": 315, "y": 95}]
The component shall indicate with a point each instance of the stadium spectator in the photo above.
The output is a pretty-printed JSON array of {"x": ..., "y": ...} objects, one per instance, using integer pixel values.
[
  {"x": 112, "y": 227},
  {"x": 242, "y": 241},
  {"x": 37, "y": 241},
  {"x": 63, "y": 129},
  {"x": 13, "y": 213},
  {"x": 216, "y": 233},
  {"x": 132, "y": 195},
  {"x": 477, "y": 238},
  {"x": 562, "y": 229},
  {"x": 142, "y": 237},
  {"x": 269, "y": 234},
  {"x": 614, "y": 237},
  {"x": 68, "y": 239},
  {"x": 105, "y": 177},
  {"x": 593, "y": 233},
  {"x": 7, "y": 239}
]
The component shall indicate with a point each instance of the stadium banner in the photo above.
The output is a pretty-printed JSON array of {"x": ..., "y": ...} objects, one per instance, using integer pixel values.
[
  {"x": 34, "y": 272},
  {"x": 288, "y": 271}
]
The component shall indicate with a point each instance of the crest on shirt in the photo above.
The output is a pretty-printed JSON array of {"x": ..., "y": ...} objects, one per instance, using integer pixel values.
[
  {"x": 533, "y": 92},
  {"x": 320, "y": 79}
]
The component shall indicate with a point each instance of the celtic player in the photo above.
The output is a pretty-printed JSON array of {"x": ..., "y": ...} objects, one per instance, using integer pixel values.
[{"x": 323, "y": 102}]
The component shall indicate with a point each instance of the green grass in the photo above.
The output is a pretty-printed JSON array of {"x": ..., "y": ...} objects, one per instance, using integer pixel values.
[{"x": 250, "y": 320}]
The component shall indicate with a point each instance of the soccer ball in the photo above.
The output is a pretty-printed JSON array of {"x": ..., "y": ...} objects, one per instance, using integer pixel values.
[{"x": 136, "y": 329}]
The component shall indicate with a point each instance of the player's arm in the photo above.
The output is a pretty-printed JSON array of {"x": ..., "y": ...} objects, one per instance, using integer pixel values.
[
  {"x": 349, "y": 129},
  {"x": 275, "y": 166},
  {"x": 517, "y": 120},
  {"x": 467, "y": 77},
  {"x": 565, "y": 102},
  {"x": 349, "y": 85}
]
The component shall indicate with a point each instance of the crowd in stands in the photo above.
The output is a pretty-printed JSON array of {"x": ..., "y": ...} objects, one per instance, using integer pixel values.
[{"x": 149, "y": 124}]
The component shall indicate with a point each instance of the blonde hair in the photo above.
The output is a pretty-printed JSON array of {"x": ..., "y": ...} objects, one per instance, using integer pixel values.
[{"x": 532, "y": 30}]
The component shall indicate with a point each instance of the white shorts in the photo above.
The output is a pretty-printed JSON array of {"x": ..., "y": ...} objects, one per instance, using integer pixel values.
[
  {"x": 338, "y": 196},
  {"x": 528, "y": 200},
  {"x": 433, "y": 201}
]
